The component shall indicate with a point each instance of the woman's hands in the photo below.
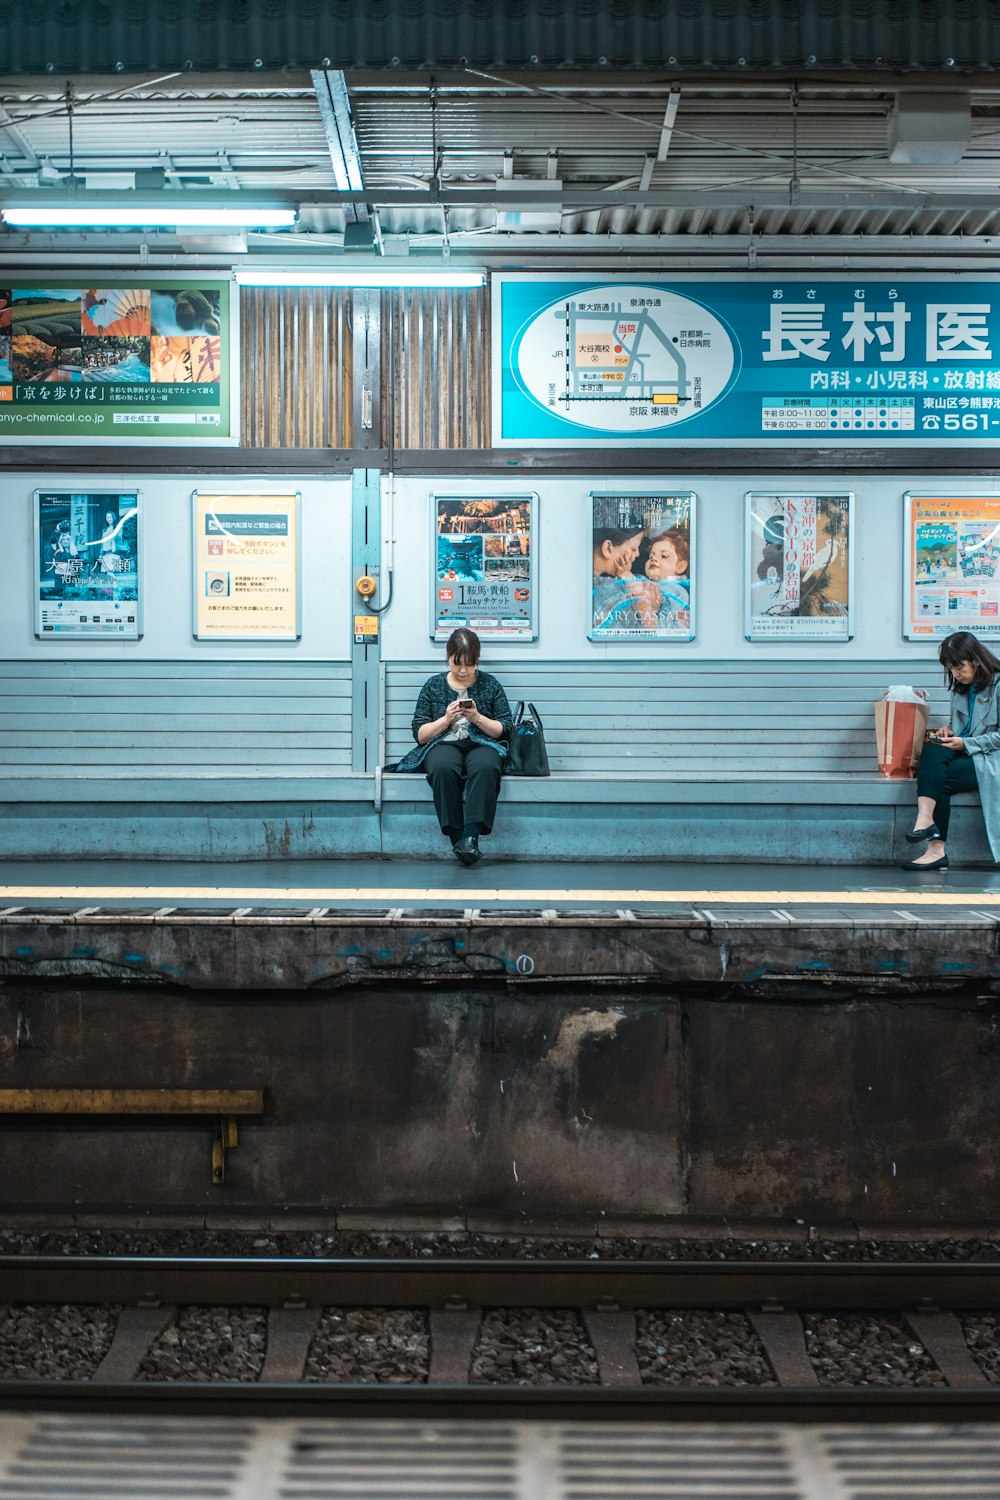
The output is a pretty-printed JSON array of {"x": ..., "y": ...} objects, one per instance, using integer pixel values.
[{"x": 947, "y": 739}]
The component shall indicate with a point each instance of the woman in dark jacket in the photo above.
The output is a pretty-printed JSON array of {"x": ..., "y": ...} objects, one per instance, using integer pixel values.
[{"x": 461, "y": 724}]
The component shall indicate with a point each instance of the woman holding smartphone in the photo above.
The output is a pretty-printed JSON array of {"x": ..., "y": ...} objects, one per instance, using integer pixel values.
[
  {"x": 965, "y": 756},
  {"x": 461, "y": 724}
]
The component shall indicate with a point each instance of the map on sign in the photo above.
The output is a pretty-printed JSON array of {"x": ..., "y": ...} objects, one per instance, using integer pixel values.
[{"x": 624, "y": 358}]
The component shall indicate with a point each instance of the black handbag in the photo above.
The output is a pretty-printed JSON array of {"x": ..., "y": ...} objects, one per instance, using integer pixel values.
[{"x": 526, "y": 753}]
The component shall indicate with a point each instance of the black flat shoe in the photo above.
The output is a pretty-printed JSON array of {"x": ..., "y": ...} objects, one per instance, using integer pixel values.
[
  {"x": 921, "y": 835},
  {"x": 932, "y": 864},
  {"x": 467, "y": 850}
]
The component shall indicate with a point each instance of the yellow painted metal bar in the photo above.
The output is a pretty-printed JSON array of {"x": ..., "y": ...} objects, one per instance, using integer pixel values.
[{"x": 132, "y": 1101}]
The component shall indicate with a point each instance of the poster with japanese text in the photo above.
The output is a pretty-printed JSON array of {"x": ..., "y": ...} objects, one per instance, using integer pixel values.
[
  {"x": 952, "y": 572},
  {"x": 642, "y": 571},
  {"x": 799, "y": 567},
  {"x": 772, "y": 361},
  {"x": 484, "y": 566},
  {"x": 246, "y": 567},
  {"x": 90, "y": 359},
  {"x": 88, "y": 564}
]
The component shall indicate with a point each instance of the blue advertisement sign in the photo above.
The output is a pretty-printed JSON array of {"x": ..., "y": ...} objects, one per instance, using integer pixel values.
[{"x": 788, "y": 361}]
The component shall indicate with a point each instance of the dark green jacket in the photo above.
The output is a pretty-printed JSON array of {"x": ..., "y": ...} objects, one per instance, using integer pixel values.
[{"x": 435, "y": 695}]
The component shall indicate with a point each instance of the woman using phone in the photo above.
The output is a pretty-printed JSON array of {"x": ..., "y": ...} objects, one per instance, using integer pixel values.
[
  {"x": 461, "y": 724},
  {"x": 965, "y": 756}
]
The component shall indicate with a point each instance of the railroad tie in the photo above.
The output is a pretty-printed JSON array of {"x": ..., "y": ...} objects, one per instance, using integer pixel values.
[
  {"x": 941, "y": 1335},
  {"x": 289, "y": 1333},
  {"x": 135, "y": 1333},
  {"x": 453, "y": 1338},
  {"x": 784, "y": 1342},
  {"x": 612, "y": 1333}
]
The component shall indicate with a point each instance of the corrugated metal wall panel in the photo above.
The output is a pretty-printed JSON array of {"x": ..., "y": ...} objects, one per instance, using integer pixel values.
[
  {"x": 296, "y": 355},
  {"x": 688, "y": 34},
  {"x": 435, "y": 369}
]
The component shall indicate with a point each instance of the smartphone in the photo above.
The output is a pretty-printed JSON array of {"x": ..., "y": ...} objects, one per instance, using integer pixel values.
[{"x": 466, "y": 703}]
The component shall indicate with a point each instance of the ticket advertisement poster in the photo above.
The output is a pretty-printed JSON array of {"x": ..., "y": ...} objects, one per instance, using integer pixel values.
[
  {"x": 247, "y": 567},
  {"x": 88, "y": 562},
  {"x": 771, "y": 360},
  {"x": 952, "y": 574},
  {"x": 643, "y": 568},
  {"x": 484, "y": 568},
  {"x": 86, "y": 359},
  {"x": 799, "y": 567}
]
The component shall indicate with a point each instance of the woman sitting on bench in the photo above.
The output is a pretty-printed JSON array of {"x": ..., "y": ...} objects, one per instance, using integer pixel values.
[
  {"x": 461, "y": 724},
  {"x": 965, "y": 757}
]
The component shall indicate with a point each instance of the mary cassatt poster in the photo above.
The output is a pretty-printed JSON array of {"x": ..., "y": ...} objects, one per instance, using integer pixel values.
[
  {"x": 484, "y": 570},
  {"x": 799, "y": 567},
  {"x": 643, "y": 553},
  {"x": 87, "y": 564}
]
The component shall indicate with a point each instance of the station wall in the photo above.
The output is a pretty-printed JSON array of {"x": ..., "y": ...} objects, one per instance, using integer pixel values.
[{"x": 563, "y": 540}]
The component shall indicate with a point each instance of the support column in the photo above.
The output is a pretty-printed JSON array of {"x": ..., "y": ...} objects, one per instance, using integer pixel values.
[{"x": 366, "y": 650}]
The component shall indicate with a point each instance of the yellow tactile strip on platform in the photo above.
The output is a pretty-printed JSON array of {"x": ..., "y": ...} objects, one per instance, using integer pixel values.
[{"x": 480, "y": 896}]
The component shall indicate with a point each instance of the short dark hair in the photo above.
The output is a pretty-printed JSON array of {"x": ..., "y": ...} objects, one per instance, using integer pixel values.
[
  {"x": 464, "y": 647},
  {"x": 960, "y": 647}
]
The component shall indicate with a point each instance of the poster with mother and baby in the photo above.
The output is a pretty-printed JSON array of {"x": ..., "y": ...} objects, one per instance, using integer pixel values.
[{"x": 643, "y": 567}]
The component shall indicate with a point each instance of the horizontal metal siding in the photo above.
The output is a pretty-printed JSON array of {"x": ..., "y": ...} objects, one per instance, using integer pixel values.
[
  {"x": 616, "y": 718},
  {"x": 99, "y": 717},
  {"x": 185, "y": 34}
]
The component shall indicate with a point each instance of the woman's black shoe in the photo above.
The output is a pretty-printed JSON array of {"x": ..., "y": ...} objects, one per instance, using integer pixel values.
[
  {"x": 920, "y": 835},
  {"x": 932, "y": 864},
  {"x": 467, "y": 849}
]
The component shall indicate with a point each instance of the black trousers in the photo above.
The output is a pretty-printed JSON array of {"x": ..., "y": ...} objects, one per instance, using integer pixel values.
[
  {"x": 941, "y": 772},
  {"x": 463, "y": 771}
]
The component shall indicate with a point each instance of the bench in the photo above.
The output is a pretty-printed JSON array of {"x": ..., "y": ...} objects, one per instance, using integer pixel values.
[
  {"x": 705, "y": 760},
  {"x": 767, "y": 759}
]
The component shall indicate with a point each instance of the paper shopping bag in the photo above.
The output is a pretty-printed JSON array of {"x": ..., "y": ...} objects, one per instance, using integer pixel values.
[{"x": 900, "y": 726}]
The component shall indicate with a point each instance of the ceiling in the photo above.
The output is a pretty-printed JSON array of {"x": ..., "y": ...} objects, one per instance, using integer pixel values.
[{"x": 703, "y": 160}]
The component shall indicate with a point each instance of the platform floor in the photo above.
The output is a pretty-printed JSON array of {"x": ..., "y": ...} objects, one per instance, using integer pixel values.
[
  {"x": 54, "y": 1457},
  {"x": 416, "y": 885}
]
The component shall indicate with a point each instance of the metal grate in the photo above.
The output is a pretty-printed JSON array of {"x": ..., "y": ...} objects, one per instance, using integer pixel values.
[{"x": 76, "y": 1458}]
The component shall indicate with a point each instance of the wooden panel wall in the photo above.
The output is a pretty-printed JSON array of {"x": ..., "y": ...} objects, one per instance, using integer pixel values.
[
  {"x": 296, "y": 354},
  {"x": 436, "y": 369},
  {"x": 297, "y": 361}
]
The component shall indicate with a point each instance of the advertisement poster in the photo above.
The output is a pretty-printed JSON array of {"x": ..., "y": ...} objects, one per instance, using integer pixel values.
[
  {"x": 952, "y": 574},
  {"x": 799, "y": 567},
  {"x": 773, "y": 361},
  {"x": 484, "y": 570},
  {"x": 154, "y": 363},
  {"x": 643, "y": 567},
  {"x": 246, "y": 567},
  {"x": 87, "y": 565}
]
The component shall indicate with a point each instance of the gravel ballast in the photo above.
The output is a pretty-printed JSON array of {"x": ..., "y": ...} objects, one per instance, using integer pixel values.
[
  {"x": 54, "y": 1341},
  {"x": 209, "y": 1343},
  {"x": 982, "y": 1334},
  {"x": 532, "y": 1346},
  {"x": 867, "y": 1349},
  {"x": 371, "y": 1345},
  {"x": 699, "y": 1348}
]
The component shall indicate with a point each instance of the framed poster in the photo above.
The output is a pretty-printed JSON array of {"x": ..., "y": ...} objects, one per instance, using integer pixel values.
[
  {"x": 952, "y": 565},
  {"x": 643, "y": 567},
  {"x": 799, "y": 567},
  {"x": 88, "y": 564},
  {"x": 153, "y": 363},
  {"x": 778, "y": 360},
  {"x": 247, "y": 555},
  {"x": 483, "y": 550}
]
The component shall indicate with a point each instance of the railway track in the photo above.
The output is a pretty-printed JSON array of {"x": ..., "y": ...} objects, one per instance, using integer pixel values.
[{"x": 778, "y": 1308}]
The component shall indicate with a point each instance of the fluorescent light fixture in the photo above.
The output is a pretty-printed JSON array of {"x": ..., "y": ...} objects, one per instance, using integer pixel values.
[
  {"x": 132, "y": 211},
  {"x": 361, "y": 276}
]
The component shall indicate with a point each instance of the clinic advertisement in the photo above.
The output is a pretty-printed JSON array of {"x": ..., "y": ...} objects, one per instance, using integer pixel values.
[
  {"x": 770, "y": 361},
  {"x": 952, "y": 572},
  {"x": 642, "y": 572},
  {"x": 118, "y": 362},
  {"x": 88, "y": 565},
  {"x": 246, "y": 567},
  {"x": 799, "y": 567},
  {"x": 483, "y": 551}
]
